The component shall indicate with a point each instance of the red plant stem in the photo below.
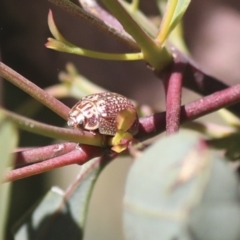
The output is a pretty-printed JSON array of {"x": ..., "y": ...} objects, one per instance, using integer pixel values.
[
  {"x": 77, "y": 156},
  {"x": 34, "y": 91},
  {"x": 173, "y": 88},
  {"x": 150, "y": 126},
  {"x": 34, "y": 155},
  {"x": 196, "y": 80}
]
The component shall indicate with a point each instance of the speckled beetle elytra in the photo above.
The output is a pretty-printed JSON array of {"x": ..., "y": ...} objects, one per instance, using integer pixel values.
[{"x": 99, "y": 112}]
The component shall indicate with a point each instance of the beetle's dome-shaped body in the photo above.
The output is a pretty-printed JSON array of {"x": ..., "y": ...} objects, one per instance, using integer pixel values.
[{"x": 99, "y": 111}]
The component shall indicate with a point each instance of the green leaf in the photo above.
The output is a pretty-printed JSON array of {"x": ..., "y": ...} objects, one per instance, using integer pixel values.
[
  {"x": 8, "y": 141},
  {"x": 140, "y": 18},
  {"x": 172, "y": 16},
  {"x": 155, "y": 54},
  {"x": 59, "y": 43},
  {"x": 181, "y": 8},
  {"x": 178, "y": 189},
  {"x": 53, "y": 28},
  {"x": 61, "y": 215},
  {"x": 217, "y": 216}
]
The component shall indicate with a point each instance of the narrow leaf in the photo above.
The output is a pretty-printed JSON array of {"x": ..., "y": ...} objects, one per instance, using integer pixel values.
[
  {"x": 8, "y": 141},
  {"x": 181, "y": 8},
  {"x": 172, "y": 16},
  {"x": 53, "y": 28}
]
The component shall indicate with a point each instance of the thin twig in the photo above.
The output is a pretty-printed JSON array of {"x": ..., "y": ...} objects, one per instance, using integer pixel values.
[
  {"x": 196, "y": 80},
  {"x": 150, "y": 126},
  {"x": 34, "y": 155},
  {"x": 77, "y": 156}
]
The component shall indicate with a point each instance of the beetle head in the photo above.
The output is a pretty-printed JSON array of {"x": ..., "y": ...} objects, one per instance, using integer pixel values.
[{"x": 75, "y": 119}]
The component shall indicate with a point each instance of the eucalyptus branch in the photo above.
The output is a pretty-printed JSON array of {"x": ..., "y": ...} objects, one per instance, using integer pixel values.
[
  {"x": 34, "y": 155},
  {"x": 150, "y": 126},
  {"x": 201, "y": 83},
  {"x": 77, "y": 156}
]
